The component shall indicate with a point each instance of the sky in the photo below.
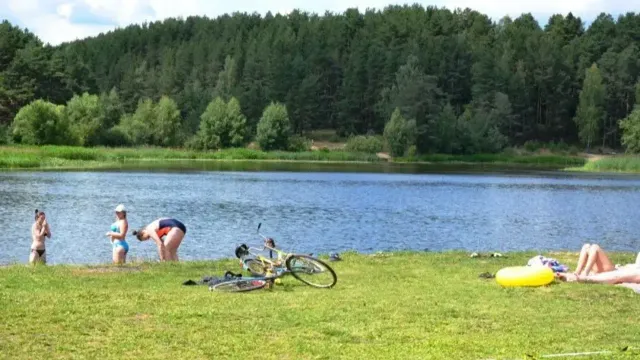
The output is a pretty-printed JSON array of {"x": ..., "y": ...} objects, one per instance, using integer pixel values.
[{"x": 57, "y": 21}]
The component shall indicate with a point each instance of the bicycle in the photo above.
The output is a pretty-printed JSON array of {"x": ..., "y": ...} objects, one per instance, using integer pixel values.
[{"x": 265, "y": 270}]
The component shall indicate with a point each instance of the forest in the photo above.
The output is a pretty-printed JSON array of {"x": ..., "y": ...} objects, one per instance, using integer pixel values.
[{"x": 431, "y": 79}]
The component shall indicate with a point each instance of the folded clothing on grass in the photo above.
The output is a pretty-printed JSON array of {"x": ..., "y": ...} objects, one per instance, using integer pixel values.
[{"x": 548, "y": 262}]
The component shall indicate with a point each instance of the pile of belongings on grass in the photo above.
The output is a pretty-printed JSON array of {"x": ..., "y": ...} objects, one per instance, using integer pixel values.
[
  {"x": 212, "y": 280},
  {"x": 540, "y": 260}
]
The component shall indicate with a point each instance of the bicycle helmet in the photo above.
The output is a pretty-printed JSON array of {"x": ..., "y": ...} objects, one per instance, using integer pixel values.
[{"x": 242, "y": 251}]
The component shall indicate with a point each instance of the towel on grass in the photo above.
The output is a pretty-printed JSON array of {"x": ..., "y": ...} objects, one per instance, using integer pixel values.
[{"x": 632, "y": 286}]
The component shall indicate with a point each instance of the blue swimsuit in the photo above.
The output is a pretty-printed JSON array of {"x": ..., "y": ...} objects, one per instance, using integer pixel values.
[{"x": 121, "y": 243}]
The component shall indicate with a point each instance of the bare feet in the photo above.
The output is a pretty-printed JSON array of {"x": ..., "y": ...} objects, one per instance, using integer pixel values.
[{"x": 568, "y": 277}]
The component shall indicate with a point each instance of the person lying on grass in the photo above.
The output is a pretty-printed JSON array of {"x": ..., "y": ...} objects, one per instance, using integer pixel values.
[
  {"x": 609, "y": 277},
  {"x": 594, "y": 260},
  {"x": 595, "y": 266}
]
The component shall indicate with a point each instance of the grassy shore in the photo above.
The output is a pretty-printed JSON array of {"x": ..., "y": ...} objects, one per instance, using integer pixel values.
[
  {"x": 620, "y": 164},
  {"x": 547, "y": 160},
  {"x": 384, "y": 306},
  {"x": 62, "y": 157}
]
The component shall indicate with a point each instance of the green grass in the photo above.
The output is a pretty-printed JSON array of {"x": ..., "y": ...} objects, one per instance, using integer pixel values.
[
  {"x": 535, "y": 159},
  {"x": 65, "y": 157},
  {"x": 25, "y": 157},
  {"x": 384, "y": 306},
  {"x": 623, "y": 164}
]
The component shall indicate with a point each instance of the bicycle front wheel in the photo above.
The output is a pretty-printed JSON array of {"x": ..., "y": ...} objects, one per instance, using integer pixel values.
[
  {"x": 255, "y": 267},
  {"x": 311, "y": 271},
  {"x": 239, "y": 285}
]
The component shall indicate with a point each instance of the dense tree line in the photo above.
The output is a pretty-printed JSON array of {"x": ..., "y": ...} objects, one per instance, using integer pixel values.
[{"x": 444, "y": 81}]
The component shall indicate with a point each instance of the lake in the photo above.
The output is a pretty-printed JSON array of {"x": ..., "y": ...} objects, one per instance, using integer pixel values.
[{"x": 320, "y": 211}]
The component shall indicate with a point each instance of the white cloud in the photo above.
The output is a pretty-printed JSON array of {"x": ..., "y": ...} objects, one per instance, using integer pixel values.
[
  {"x": 53, "y": 20},
  {"x": 65, "y": 10},
  {"x": 498, "y": 8}
]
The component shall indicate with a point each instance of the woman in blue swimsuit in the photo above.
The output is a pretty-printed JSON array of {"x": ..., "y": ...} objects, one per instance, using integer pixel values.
[{"x": 118, "y": 234}]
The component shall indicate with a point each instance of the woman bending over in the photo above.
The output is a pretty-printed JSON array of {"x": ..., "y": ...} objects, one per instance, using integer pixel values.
[{"x": 173, "y": 232}]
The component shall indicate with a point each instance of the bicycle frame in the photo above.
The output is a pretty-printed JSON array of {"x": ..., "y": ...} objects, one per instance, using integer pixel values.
[
  {"x": 269, "y": 269},
  {"x": 270, "y": 265}
]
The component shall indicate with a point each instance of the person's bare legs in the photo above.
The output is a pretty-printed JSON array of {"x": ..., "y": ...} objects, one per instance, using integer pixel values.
[
  {"x": 119, "y": 256},
  {"x": 609, "y": 277},
  {"x": 34, "y": 257},
  {"x": 598, "y": 261},
  {"x": 172, "y": 242},
  {"x": 582, "y": 259}
]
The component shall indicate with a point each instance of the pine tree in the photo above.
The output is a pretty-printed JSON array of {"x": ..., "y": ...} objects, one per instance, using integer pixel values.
[{"x": 226, "y": 84}]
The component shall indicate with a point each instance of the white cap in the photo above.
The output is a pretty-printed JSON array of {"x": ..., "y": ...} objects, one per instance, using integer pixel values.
[{"x": 120, "y": 208}]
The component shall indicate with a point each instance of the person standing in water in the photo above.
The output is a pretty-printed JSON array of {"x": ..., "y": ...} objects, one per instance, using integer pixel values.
[
  {"x": 118, "y": 234},
  {"x": 39, "y": 231},
  {"x": 173, "y": 231}
]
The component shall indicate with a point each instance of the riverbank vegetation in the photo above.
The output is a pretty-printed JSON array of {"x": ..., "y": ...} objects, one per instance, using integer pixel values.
[
  {"x": 621, "y": 164},
  {"x": 425, "y": 80},
  {"x": 387, "y": 305},
  {"x": 16, "y": 157},
  {"x": 75, "y": 157}
]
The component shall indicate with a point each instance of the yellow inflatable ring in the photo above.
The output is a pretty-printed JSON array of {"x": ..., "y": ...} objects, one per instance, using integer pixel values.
[{"x": 524, "y": 276}]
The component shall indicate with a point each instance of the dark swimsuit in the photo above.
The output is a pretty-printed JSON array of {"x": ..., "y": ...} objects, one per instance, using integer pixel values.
[
  {"x": 165, "y": 225},
  {"x": 39, "y": 251}
]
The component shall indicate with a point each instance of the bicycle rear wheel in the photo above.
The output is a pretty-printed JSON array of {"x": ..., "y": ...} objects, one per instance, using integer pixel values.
[
  {"x": 311, "y": 271},
  {"x": 239, "y": 285}
]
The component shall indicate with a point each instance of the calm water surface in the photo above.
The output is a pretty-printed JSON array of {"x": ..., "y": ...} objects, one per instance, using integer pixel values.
[{"x": 320, "y": 211}]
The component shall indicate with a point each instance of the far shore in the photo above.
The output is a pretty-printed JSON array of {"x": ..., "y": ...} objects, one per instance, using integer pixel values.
[{"x": 80, "y": 158}]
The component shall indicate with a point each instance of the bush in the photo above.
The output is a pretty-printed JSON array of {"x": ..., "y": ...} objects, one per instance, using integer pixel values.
[
  {"x": 557, "y": 147},
  {"x": 167, "y": 129},
  {"x": 397, "y": 133},
  {"x": 153, "y": 124},
  {"x": 112, "y": 108},
  {"x": 532, "y": 146},
  {"x": 137, "y": 127},
  {"x": 194, "y": 143},
  {"x": 222, "y": 125},
  {"x": 631, "y": 131},
  {"x": 212, "y": 126},
  {"x": 115, "y": 137},
  {"x": 412, "y": 151},
  {"x": 365, "y": 144},
  {"x": 299, "y": 143},
  {"x": 4, "y": 134},
  {"x": 41, "y": 123},
  {"x": 274, "y": 128},
  {"x": 85, "y": 116}
]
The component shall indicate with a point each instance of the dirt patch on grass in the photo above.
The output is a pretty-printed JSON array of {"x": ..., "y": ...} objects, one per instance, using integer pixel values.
[
  {"x": 106, "y": 270},
  {"x": 141, "y": 317}
]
